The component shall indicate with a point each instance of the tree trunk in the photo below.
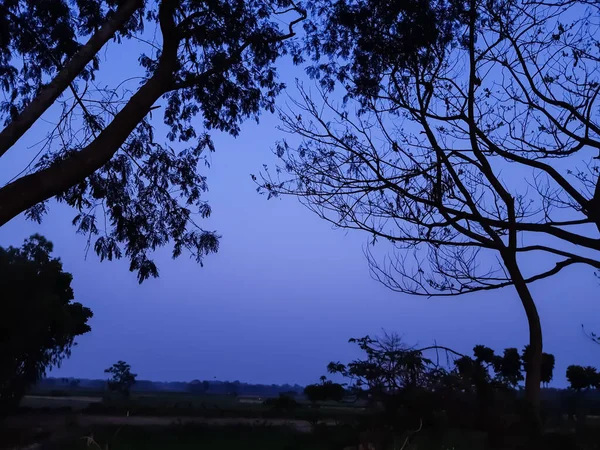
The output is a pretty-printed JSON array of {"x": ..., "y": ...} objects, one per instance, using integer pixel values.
[
  {"x": 34, "y": 110},
  {"x": 533, "y": 376},
  {"x": 29, "y": 190}
]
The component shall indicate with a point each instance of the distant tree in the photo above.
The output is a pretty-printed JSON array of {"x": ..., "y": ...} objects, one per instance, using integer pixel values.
[
  {"x": 38, "y": 320},
  {"x": 389, "y": 366},
  {"x": 133, "y": 190},
  {"x": 467, "y": 130},
  {"x": 547, "y": 367},
  {"x": 122, "y": 379},
  {"x": 508, "y": 367},
  {"x": 583, "y": 378},
  {"x": 327, "y": 390}
]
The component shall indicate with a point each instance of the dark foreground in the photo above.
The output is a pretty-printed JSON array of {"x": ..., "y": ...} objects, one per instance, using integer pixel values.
[{"x": 154, "y": 433}]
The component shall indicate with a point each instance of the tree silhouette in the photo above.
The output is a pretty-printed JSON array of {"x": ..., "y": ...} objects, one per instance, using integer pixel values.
[
  {"x": 121, "y": 379},
  {"x": 389, "y": 367},
  {"x": 39, "y": 322},
  {"x": 324, "y": 391},
  {"x": 583, "y": 378},
  {"x": 468, "y": 147},
  {"x": 547, "y": 367},
  {"x": 133, "y": 191}
]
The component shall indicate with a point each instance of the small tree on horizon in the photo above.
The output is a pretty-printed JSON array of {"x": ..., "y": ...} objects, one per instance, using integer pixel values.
[
  {"x": 122, "y": 379},
  {"x": 326, "y": 390}
]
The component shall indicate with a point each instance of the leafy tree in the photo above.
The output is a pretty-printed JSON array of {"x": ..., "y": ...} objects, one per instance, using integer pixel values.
[
  {"x": 324, "y": 391},
  {"x": 547, "y": 367},
  {"x": 121, "y": 379},
  {"x": 400, "y": 383},
  {"x": 467, "y": 139},
  {"x": 583, "y": 378},
  {"x": 486, "y": 370},
  {"x": 133, "y": 191},
  {"x": 39, "y": 321},
  {"x": 389, "y": 367}
]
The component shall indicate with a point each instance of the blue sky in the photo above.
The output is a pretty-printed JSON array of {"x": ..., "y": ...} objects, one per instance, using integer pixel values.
[{"x": 285, "y": 292}]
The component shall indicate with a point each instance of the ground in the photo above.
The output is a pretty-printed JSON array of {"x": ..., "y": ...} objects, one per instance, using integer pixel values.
[{"x": 182, "y": 421}]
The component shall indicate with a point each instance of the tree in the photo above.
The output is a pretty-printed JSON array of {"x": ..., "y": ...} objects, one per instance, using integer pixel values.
[
  {"x": 467, "y": 139},
  {"x": 132, "y": 192},
  {"x": 547, "y": 367},
  {"x": 39, "y": 321},
  {"x": 583, "y": 378},
  {"x": 326, "y": 390},
  {"x": 200, "y": 387},
  {"x": 122, "y": 379},
  {"x": 389, "y": 367}
]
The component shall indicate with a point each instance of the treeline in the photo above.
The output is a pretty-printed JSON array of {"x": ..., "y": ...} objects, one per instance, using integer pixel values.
[
  {"x": 214, "y": 387},
  {"x": 436, "y": 385}
]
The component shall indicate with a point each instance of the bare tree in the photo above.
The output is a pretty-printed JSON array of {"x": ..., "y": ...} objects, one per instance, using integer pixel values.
[{"x": 474, "y": 152}]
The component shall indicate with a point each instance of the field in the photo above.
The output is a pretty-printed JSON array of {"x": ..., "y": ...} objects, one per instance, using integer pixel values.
[
  {"x": 237, "y": 437},
  {"x": 182, "y": 404},
  {"x": 182, "y": 421}
]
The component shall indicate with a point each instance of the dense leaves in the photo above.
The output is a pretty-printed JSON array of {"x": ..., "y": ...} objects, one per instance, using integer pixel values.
[
  {"x": 358, "y": 42},
  {"x": 39, "y": 321},
  {"x": 547, "y": 367},
  {"x": 213, "y": 65},
  {"x": 38, "y": 37},
  {"x": 583, "y": 377},
  {"x": 326, "y": 390},
  {"x": 121, "y": 379}
]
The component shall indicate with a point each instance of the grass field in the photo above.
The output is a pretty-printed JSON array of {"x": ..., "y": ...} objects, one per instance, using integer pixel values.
[{"x": 166, "y": 404}]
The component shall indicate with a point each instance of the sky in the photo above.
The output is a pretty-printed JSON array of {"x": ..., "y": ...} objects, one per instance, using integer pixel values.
[{"x": 285, "y": 292}]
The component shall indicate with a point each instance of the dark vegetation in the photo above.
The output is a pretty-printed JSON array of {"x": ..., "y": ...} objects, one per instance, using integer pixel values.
[
  {"x": 212, "y": 63},
  {"x": 394, "y": 396},
  {"x": 422, "y": 108},
  {"x": 121, "y": 379},
  {"x": 39, "y": 321},
  {"x": 462, "y": 134}
]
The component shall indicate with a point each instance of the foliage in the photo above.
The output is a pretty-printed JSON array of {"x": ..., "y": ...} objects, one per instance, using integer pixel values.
[
  {"x": 134, "y": 191},
  {"x": 583, "y": 378},
  {"x": 39, "y": 321},
  {"x": 547, "y": 367},
  {"x": 388, "y": 368},
  {"x": 457, "y": 147},
  {"x": 327, "y": 390},
  {"x": 121, "y": 379}
]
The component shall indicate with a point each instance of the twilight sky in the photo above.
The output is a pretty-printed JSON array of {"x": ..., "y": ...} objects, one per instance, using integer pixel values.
[{"x": 285, "y": 292}]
